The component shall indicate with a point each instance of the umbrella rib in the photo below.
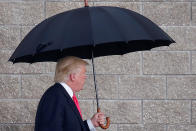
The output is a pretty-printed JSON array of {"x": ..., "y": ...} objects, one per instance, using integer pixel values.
[
  {"x": 138, "y": 21},
  {"x": 122, "y": 49},
  {"x": 114, "y": 21}
]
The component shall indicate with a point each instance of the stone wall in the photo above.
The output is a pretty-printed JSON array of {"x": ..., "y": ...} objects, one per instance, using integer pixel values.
[{"x": 141, "y": 91}]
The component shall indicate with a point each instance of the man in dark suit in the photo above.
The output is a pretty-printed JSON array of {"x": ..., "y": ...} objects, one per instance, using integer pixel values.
[{"x": 58, "y": 109}]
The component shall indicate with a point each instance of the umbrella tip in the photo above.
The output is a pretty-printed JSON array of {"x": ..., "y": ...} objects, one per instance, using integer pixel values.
[{"x": 14, "y": 60}]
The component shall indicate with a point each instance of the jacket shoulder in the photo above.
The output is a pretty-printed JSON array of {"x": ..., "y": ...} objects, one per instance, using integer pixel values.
[{"x": 53, "y": 90}]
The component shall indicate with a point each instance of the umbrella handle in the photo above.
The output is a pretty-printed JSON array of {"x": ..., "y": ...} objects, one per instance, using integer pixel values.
[{"x": 107, "y": 119}]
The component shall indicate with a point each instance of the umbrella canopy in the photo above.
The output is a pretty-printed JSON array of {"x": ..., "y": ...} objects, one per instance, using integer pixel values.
[
  {"x": 90, "y": 32},
  {"x": 105, "y": 29}
]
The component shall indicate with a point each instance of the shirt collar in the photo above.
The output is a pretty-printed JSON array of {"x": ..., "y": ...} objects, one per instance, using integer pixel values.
[{"x": 67, "y": 88}]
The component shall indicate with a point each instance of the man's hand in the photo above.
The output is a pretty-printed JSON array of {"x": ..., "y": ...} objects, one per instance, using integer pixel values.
[{"x": 97, "y": 119}]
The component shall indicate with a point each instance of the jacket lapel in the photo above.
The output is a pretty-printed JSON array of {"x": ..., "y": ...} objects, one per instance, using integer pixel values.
[{"x": 71, "y": 104}]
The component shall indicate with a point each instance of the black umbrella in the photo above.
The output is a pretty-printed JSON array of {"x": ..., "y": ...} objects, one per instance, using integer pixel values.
[{"x": 90, "y": 32}]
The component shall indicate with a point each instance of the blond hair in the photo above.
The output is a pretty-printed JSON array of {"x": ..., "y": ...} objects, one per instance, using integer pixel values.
[{"x": 67, "y": 65}]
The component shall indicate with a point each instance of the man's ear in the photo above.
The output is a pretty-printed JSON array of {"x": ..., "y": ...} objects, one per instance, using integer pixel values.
[{"x": 72, "y": 77}]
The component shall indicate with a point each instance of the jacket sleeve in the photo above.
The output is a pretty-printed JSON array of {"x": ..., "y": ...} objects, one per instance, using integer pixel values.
[
  {"x": 51, "y": 114},
  {"x": 86, "y": 125}
]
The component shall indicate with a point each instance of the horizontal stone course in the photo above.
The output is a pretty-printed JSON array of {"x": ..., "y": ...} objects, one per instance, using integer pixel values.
[
  {"x": 10, "y": 86},
  {"x": 86, "y": 107},
  {"x": 118, "y": 64},
  {"x": 17, "y": 111},
  {"x": 140, "y": 127},
  {"x": 168, "y": 13},
  {"x": 112, "y": 127},
  {"x": 141, "y": 87},
  {"x": 27, "y": 13},
  {"x": 107, "y": 87},
  {"x": 9, "y": 37},
  {"x": 194, "y": 112},
  {"x": 34, "y": 86},
  {"x": 194, "y": 13},
  {"x": 193, "y": 69},
  {"x": 181, "y": 87},
  {"x": 167, "y": 112},
  {"x": 121, "y": 111},
  {"x": 163, "y": 62},
  {"x": 55, "y": 7},
  {"x": 181, "y": 127},
  {"x": 134, "y": 6},
  {"x": 17, "y": 127}
]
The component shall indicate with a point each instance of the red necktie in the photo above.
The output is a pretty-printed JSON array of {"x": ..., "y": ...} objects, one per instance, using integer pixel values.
[{"x": 76, "y": 103}]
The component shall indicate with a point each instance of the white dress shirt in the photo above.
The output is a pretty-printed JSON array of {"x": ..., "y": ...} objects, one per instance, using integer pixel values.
[{"x": 70, "y": 92}]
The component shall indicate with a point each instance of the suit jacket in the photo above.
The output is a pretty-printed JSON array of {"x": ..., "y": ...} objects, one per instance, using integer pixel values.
[{"x": 57, "y": 112}]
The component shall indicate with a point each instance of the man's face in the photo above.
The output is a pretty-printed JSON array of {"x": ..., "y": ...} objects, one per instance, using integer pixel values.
[{"x": 80, "y": 78}]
